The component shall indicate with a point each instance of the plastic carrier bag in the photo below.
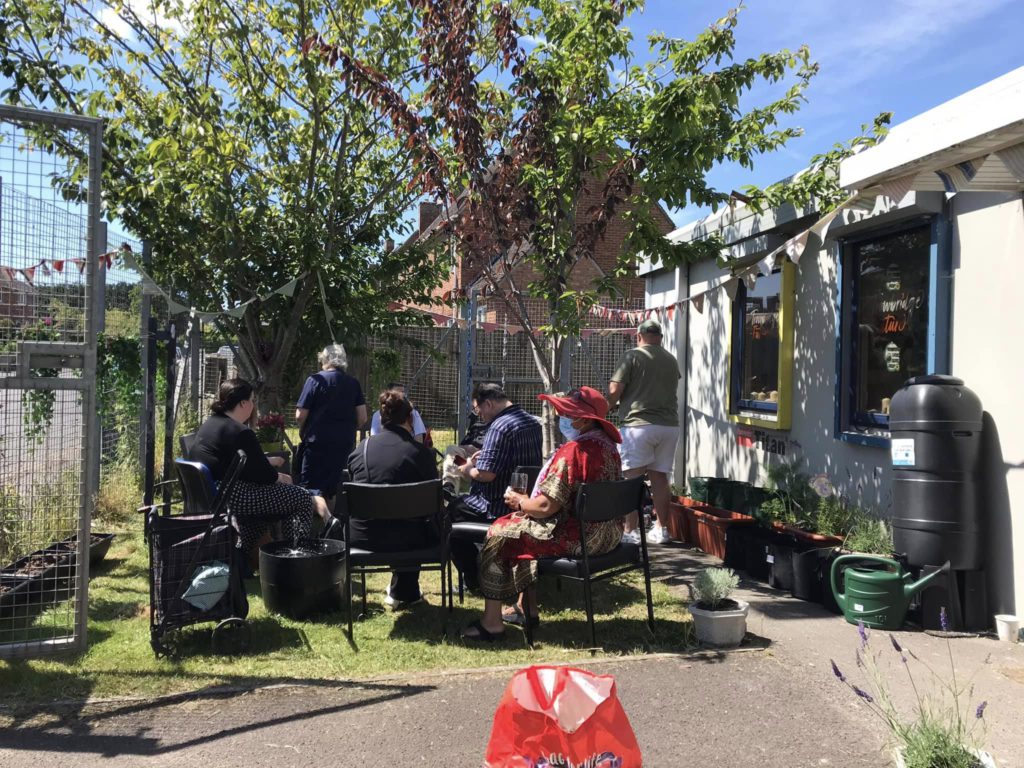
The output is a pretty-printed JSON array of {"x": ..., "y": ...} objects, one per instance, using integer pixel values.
[{"x": 561, "y": 717}]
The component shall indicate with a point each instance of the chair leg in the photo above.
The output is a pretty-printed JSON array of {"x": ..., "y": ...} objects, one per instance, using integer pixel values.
[
  {"x": 364, "y": 596},
  {"x": 650, "y": 601},
  {"x": 527, "y": 611},
  {"x": 462, "y": 588},
  {"x": 348, "y": 599},
  {"x": 451, "y": 590},
  {"x": 590, "y": 611}
]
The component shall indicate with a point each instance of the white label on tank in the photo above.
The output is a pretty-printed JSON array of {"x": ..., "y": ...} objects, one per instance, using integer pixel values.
[
  {"x": 771, "y": 558},
  {"x": 903, "y": 452},
  {"x": 858, "y": 607}
]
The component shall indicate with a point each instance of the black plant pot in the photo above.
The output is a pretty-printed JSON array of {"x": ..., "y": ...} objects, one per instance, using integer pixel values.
[
  {"x": 757, "y": 554},
  {"x": 780, "y": 561},
  {"x": 298, "y": 587},
  {"x": 737, "y": 539},
  {"x": 811, "y": 574}
]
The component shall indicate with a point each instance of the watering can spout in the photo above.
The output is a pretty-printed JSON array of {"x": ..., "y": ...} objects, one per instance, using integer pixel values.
[{"x": 909, "y": 590}]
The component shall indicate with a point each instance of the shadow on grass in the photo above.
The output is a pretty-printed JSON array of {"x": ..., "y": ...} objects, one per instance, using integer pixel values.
[{"x": 125, "y": 729}]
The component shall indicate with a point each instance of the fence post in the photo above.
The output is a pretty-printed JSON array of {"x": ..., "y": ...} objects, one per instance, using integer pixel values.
[
  {"x": 465, "y": 399},
  {"x": 195, "y": 348},
  {"x": 565, "y": 366},
  {"x": 146, "y": 405}
]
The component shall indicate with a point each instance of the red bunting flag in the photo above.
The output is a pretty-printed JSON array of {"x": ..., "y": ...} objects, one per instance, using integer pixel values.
[
  {"x": 671, "y": 313},
  {"x": 58, "y": 265},
  {"x": 80, "y": 263}
]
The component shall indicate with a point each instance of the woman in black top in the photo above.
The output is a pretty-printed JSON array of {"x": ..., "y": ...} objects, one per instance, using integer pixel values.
[
  {"x": 390, "y": 457},
  {"x": 261, "y": 493}
]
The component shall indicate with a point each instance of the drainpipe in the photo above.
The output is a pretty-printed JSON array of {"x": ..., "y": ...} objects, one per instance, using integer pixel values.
[{"x": 684, "y": 275}]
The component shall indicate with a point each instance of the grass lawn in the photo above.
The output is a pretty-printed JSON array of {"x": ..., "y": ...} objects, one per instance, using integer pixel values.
[{"x": 120, "y": 662}]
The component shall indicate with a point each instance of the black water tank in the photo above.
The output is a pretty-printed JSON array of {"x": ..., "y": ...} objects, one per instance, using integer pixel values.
[{"x": 935, "y": 423}]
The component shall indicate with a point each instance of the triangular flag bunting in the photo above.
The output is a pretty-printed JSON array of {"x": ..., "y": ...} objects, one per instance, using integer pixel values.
[
  {"x": 29, "y": 273},
  {"x": 732, "y": 285},
  {"x": 58, "y": 265},
  {"x": 80, "y": 263},
  {"x": 698, "y": 302},
  {"x": 288, "y": 289},
  {"x": 794, "y": 247}
]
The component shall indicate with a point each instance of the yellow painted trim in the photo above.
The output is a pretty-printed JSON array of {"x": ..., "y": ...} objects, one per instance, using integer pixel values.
[{"x": 787, "y": 321}]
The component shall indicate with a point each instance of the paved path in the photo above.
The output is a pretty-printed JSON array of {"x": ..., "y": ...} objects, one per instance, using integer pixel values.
[{"x": 775, "y": 705}]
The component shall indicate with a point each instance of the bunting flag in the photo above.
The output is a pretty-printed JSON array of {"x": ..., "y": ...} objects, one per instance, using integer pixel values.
[
  {"x": 288, "y": 289},
  {"x": 8, "y": 273},
  {"x": 698, "y": 302},
  {"x": 80, "y": 263},
  {"x": 671, "y": 312},
  {"x": 750, "y": 280},
  {"x": 29, "y": 273},
  {"x": 794, "y": 247},
  {"x": 1012, "y": 159},
  {"x": 731, "y": 286},
  {"x": 767, "y": 265},
  {"x": 58, "y": 265},
  {"x": 45, "y": 268}
]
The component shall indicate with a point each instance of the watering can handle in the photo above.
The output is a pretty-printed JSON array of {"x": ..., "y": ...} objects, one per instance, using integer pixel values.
[{"x": 841, "y": 596}]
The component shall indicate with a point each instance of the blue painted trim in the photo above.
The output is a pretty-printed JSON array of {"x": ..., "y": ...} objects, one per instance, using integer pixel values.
[
  {"x": 837, "y": 427},
  {"x": 758, "y": 405}
]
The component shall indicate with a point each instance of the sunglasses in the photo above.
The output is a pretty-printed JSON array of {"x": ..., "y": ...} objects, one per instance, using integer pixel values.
[{"x": 577, "y": 396}]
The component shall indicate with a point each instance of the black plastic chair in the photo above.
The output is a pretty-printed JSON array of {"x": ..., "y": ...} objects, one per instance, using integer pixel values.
[
  {"x": 477, "y": 532},
  {"x": 600, "y": 502},
  {"x": 198, "y": 489},
  {"x": 185, "y": 442},
  {"x": 404, "y": 501}
]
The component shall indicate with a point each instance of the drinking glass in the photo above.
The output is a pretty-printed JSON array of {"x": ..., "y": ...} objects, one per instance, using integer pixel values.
[{"x": 520, "y": 482}]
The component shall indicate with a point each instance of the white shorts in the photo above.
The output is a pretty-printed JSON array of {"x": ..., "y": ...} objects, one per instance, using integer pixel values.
[{"x": 651, "y": 446}]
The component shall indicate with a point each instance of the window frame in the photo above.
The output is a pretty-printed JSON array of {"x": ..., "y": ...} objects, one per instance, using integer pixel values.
[
  {"x": 777, "y": 416},
  {"x": 939, "y": 334}
]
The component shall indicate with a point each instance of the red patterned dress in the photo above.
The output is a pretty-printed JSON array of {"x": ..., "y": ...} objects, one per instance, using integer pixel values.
[{"x": 504, "y": 573}]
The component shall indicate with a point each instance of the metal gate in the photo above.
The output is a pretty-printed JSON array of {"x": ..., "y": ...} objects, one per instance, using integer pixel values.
[{"x": 50, "y": 249}]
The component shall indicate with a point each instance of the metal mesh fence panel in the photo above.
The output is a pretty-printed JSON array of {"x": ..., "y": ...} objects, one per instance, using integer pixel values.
[{"x": 49, "y": 243}]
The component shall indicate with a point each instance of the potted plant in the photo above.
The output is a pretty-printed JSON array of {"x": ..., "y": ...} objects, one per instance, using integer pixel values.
[
  {"x": 943, "y": 729},
  {"x": 717, "y": 618},
  {"x": 270, "y": 431},
  {"x": 868, "y": 535}
]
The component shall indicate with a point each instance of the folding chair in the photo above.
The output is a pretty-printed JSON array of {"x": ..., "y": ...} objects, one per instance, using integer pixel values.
[
  {"x": 404, "y": 501},
  {"x": 477, "y": 532},
  {"x": 600, "y": 502}
]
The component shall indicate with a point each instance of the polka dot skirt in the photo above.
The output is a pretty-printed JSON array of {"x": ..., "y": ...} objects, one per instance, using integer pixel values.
[{"x": 255, "y": 506}]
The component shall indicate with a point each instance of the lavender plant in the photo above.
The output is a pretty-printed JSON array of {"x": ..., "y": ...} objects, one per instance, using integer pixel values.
[{"x": 942, "y": 731}]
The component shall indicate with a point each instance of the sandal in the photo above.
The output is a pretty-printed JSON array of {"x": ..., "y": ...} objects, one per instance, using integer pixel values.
[
  {"x": 482, "y": 635},
  {"x": 516, "y": 618}
]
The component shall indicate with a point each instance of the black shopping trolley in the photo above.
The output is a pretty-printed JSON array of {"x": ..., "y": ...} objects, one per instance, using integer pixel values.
[{"x": 194, "y": 573}]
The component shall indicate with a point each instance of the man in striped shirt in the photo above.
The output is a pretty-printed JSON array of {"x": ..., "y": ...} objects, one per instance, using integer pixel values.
[{"x": 513, "y": 439}]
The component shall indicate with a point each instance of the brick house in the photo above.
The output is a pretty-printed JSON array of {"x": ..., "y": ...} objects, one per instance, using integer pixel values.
[
  {"x": 463, "y": 277},
  {"x": 17, "y": 301}
]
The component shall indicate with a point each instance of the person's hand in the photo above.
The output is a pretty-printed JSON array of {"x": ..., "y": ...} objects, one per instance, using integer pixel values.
[
  {"x": 283, "y": 478},
  {"x": 276, "y": 461},
  {"x": 513, "y": 500}
]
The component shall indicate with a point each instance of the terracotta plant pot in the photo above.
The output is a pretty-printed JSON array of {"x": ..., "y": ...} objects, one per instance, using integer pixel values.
[
  {"x": 677, "y": 523},
  {"x": 806, "y": 538},
  {"x": 711, "y": 526},
  {"x": 722, "y": 629}
]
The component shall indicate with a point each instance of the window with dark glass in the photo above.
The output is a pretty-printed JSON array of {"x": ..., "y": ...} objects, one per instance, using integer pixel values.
[
  {"x": 889, "y": 321},
  {"x": 755, "y": 345}
]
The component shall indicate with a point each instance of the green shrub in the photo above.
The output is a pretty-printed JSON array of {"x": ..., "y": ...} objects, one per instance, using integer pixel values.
[
  {"x": 794, "y": 501},
  {"x": 834, "y": 516},
  {"x": 120, "y": 493},
  {"x": 870, "y": 536},
  {"x": 713, "y": 586}
]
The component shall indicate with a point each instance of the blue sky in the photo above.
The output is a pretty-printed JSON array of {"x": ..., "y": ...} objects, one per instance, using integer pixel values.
[{"x": 902, "y": 56}]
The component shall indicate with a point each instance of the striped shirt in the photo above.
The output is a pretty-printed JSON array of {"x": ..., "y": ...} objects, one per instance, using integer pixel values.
[{"x": 513, "y": 439}]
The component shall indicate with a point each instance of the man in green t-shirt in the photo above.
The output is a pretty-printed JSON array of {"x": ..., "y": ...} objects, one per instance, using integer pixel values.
[{"x": 644, "y": 387}]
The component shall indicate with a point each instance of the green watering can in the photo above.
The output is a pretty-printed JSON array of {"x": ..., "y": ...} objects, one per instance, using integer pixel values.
[{"x": 878, "y": 598}]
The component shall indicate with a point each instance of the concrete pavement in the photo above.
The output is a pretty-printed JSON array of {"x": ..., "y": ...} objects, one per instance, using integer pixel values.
[{"x": 775, "y": 703}]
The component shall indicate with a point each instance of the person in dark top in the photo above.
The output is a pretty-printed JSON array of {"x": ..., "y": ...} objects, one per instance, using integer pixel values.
[
  {"x": 330, "y": 409},
  {"x": 513, "y": 439},
  {"x": 262, "y": 493},
  {"x": 390, "y": 457}
]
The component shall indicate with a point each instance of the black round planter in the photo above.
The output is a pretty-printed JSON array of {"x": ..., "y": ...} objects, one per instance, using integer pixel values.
[{"x": 299, "y": 586}]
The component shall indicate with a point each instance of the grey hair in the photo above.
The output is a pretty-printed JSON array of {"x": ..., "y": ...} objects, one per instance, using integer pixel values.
[{"x": 334, "y": 356}]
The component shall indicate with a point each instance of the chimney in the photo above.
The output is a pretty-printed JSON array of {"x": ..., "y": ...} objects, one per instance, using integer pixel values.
[{"x": 428, "y": 214}]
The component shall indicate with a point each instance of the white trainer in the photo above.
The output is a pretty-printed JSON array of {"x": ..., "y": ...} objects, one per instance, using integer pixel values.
[
  {"x": 658, "y": 535},
  {"x": 631, "y": 537}
]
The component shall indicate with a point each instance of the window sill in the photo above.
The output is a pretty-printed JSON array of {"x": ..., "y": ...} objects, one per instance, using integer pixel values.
[{"x": 865, "y": 439}]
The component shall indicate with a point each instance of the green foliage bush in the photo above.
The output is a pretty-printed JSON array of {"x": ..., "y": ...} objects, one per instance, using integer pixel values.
[{"x": 870, "y": 535}]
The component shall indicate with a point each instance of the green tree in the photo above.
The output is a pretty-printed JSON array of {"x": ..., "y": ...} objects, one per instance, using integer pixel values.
[
  {"x": 242, "y": 161},
  {"x": 508, "y": 134}
]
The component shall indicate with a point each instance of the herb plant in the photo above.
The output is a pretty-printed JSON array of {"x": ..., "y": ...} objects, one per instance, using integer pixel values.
[{"x": 713, "y": 586}]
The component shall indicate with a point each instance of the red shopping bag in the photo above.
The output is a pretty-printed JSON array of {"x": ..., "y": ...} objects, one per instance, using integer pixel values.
[{"x": 561, "y": 717}]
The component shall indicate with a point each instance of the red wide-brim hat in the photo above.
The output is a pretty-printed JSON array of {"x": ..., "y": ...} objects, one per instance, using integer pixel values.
[{"x": 584, "y": 403}]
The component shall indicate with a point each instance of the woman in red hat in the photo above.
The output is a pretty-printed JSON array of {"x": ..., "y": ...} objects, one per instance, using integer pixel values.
[{"x": 541, "y": 524}]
